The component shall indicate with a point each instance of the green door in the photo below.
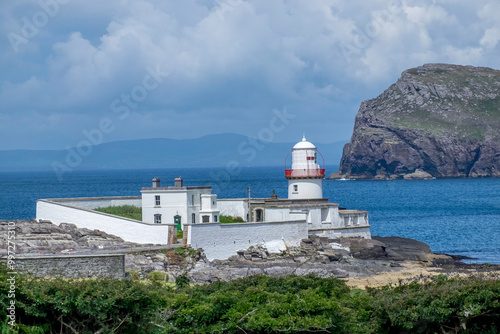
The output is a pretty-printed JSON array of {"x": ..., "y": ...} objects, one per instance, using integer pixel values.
[{"x": 177, "y": 221}]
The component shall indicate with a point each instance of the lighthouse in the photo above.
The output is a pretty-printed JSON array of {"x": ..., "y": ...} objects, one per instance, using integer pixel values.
[{"x": 305, "y": 178}]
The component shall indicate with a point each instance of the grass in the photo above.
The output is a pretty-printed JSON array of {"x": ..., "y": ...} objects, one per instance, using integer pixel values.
[{"x": 126, "y": 211}]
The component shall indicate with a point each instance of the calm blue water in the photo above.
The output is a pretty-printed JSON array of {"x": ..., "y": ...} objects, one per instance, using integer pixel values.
[{"x": 455, "y": 216}]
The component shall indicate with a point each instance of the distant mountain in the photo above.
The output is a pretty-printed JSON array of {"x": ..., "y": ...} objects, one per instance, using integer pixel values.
[
  {"x": 208, "y": 151},
  {"x": 437, "y": 120}
]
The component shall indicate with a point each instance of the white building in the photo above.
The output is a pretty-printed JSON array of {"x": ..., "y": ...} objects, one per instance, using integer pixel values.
[
  {"x": 271, "y": 222},
  {"x": 178, "y": 204}
]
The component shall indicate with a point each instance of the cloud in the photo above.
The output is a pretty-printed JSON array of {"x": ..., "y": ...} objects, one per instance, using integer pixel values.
[{"x": 230, "y": 63}]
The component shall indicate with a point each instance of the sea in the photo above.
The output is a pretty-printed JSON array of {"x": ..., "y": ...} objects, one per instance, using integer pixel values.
[{"x": 453, "y": 216}]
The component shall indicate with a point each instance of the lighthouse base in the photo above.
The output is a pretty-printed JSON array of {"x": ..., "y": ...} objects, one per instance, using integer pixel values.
[{"x": 305, "y": 188}]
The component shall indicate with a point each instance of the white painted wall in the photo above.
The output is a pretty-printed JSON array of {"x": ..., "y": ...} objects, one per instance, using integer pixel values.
[
  {"x": 233, "y": 207},
  {"x": 316, "y": 216},
  {"x": 92, "y": 203},
  {"x": 209, "y": 208},
  {"x": 171, "y": 204},
  {"x": 220, "y": 241},
  {"x": 285, "y": 214},
  {"x": 180, "y": 201},
  {"x": 127, "y": 229},
  {"x": 306, "y": 188}
]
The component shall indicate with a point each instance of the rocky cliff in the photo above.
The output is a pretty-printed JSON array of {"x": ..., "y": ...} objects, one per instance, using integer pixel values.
[{"x": 437, "y": 120}]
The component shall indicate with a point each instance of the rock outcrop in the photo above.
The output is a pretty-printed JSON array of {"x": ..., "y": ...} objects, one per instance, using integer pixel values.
[
  {"x": 341, "y": 258},
  {"x": 437, "y": 120},
  {"x": 31, "y": 236}
]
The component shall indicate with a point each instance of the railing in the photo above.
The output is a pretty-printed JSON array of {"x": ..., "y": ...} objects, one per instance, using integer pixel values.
[{"x": 304, "y": 173}]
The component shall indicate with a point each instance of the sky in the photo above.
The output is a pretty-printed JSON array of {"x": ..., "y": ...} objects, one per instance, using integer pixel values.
[{"x": 73, "y": 70}]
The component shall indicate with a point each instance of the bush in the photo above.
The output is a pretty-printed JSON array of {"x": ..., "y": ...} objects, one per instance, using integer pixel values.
[
  {"x": 85, "y": 305},
  {"x": 257, "y": 304},
  {"x": 157, "y": 276},
  {"x": 230, "y": 220},
  {"x": 185, "y": 251},
  {"x": 454, "y": 305},
  {"x": 134, "y": 274}
]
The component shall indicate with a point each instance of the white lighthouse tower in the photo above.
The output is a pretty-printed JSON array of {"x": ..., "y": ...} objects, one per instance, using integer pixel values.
[{"x": 305, "y": 178}]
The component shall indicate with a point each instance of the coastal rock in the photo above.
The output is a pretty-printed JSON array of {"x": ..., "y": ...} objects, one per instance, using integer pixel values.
[
  {"x": 401, "y": 249},
  {"x": 33, "y": 236},
  {"x": 437, "y": 120}
]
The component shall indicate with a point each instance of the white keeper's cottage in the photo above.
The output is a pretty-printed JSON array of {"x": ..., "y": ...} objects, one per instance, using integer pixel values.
[{"x": 178, "y": 204}]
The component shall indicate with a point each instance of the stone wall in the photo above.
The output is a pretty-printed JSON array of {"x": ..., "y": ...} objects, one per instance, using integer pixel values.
[
  {"x": 127, "y": 229},
  {"x": 220, "y": 241},
  {"x": 112, "y": 266}
]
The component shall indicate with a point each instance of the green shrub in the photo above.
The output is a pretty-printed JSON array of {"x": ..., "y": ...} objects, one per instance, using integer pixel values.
[
  {"x": 157, "y": 276},
  {"x": 85, "y": 305},
  {"x": 185, "y": 251},
  {"x": 230, "y": 219},
  {"x": 454, "y": 305},
  {"x": 257, "y": 304},
  {"x": 134, "y": 274}
]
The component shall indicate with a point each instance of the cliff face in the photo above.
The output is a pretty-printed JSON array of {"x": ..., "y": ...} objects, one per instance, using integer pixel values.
[{"x": 437, "y": 120}]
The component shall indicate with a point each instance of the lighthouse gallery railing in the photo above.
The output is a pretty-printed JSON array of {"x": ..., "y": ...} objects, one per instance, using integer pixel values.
[{"x": 304, "y": 172}]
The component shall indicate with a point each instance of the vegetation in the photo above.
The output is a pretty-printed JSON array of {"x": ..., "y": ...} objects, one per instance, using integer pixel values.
[
  {"x": 157, "y": 276},
  {"x": 185, "y": 251},
  {"x": 127, "y": 211},
  {"x": 230, "y": 220},
  {"x": 258, "y": 304}
]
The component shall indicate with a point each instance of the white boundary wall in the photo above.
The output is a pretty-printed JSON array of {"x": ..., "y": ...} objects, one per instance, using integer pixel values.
[
  {"x": 127, "y": 229},
  {"x": 220, "y": 241},
  {"x": 91, "y": 203}
]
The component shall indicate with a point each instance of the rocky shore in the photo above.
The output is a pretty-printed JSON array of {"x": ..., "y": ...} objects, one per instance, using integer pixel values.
[{"x": 361, "y": 262}]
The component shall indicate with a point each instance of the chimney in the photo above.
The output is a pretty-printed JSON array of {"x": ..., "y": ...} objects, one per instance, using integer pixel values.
[
  {"x": 156, "y": 182},
  {"x": 274, "y": 195},
  {"x": 178, "y": 182}
]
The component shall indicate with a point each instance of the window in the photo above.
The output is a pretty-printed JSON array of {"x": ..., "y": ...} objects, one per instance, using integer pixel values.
[
  {"x": 192, "y": 200},
  {"x": 206, "y": 219},
  {"x": 157, "y": 200},
  {"x": 259, "y": 215},
  {"x": 157, "y": 219},
  {"x": 295, "y": 187},
  {"x": 193, "y": 218},
  {"x": 215, "y": 219}
]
